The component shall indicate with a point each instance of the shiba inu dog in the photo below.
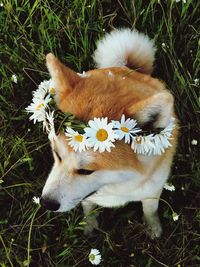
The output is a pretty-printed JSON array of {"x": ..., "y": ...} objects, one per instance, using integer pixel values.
[{"x": 121, "y": 84}]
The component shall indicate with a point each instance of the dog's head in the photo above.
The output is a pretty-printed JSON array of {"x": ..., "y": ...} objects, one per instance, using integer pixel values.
[{"x": 108, "y": 92}]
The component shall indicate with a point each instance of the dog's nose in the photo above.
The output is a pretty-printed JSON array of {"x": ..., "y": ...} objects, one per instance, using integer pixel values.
[{"x": 50, "y": 204}]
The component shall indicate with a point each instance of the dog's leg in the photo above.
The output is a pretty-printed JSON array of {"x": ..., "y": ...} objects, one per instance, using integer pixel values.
[
  {"x": 150, "y": 209},
  {"x": 90, "y": 217}
]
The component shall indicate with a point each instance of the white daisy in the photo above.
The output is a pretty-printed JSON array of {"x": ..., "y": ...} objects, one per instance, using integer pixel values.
[
  {"x": 76, "y": 140},
  {"x": 169, "y": 187},
  {"x": 143, "y": 144},
  {"x": 175, "y": 216},
  {"x": 161, "y": 140},
  {"x": 37, "y": 107},
  {"x": 43, "y": 90},
  {"x": 36, "y": 200},
  {"x": 126, "y": 128},
  {"x": 160, "y": 144},
  {"x": 14, "y": 78},
  {"x": 94, "y": 256},
  {"x": 100, "y": 134}
]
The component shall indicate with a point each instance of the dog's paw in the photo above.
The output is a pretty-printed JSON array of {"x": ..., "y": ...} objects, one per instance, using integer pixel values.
[
  {"x": 155, "y": 231},
  {"x": 154, "y": 228}
]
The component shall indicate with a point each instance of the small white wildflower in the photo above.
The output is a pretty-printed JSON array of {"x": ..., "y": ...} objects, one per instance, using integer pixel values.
[
  {"x": 175, "y": 216},
  {"x": 94, "y": 256},
  {"x": 104, "y": 30},
  {"x": 1, "y": 4},
  {"x": 76, "y": 140},
  {"x": 36, "y": 200},
  {"x": 169, "y": 187},
  {"x": 163, "y": 45},
  {"x": 196, "y": 81},
  {"x": 89, "y": 6},
  {"x": 100, "y": 134},
  {"x": 194, "y": 142},
  {"x": 14, "y": 78}
]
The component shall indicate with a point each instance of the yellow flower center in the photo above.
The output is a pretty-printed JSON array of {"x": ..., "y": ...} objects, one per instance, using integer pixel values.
[
  {"x": 101, "y": 135},
  {"x": 52, "y": 91},
  {"x": 39, "y": 106},
  {"x": 125, "y": 129},
  {"x": 92, "y": 257},
  {"x": 138, "y": 140},
  {"x": 78, "y": 138}
]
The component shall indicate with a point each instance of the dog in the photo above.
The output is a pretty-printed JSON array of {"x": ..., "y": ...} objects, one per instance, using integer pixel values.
[{"x": 120, "y": 84}]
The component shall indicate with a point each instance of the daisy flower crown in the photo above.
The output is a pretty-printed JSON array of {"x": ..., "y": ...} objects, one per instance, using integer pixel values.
[{"x": 98, "y": 134}]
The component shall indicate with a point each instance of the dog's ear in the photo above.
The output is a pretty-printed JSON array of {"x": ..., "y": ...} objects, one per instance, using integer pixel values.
[
  {"x": 154, "y": 111},
  {"x": 63, "y": 77}
]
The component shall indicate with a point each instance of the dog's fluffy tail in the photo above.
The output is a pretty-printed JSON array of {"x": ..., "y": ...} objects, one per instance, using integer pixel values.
[{"x": 125, "y": 47}]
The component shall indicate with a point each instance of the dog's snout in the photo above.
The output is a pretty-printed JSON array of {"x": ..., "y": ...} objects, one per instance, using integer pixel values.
[{"x": 50, "y": 204}]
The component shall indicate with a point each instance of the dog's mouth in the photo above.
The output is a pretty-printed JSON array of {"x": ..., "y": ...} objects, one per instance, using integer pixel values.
[{"x": 89, "y": 195}]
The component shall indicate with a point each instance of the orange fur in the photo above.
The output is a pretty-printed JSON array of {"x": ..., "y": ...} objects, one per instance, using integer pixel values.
[
  {"x": 101, "y": 95},
  {"x": 111, "y": 92}
]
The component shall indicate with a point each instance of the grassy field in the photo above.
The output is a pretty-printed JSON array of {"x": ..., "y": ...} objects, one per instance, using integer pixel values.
[{"x": 31, "y": 236}]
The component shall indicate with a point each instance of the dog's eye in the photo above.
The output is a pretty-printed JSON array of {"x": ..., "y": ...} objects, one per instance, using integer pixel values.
[
  {"x": 84, "y": 171},
  {"x": 58, "y": 156}
]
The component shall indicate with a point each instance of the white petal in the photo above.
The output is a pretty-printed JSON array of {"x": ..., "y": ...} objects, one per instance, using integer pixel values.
[
  {"x": 127, "y": 138},
  {"x": 90, "y": 132},
  {"x": 122, "y": 119},
  {"x": 93, "y": 124}
]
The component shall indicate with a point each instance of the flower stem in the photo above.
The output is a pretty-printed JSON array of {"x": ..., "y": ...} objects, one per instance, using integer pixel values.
[
  {"x": 163, "y": 201},
  {"x": 7, "y": 253},
  {"x": 29, "y": 235}
]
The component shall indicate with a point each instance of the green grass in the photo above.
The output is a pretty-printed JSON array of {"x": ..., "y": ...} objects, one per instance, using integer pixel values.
[{"x": 69, "y": 29}]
